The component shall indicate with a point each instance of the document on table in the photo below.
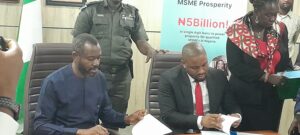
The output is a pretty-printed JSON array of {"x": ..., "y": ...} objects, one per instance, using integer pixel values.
[
  {"x": 150, "y": 126},
  {"x": 226, "y": 124},
  {"x": 212, "y": 133},
  {"x": 228, "y": 121},
  {"x": 222, "y": 133}
]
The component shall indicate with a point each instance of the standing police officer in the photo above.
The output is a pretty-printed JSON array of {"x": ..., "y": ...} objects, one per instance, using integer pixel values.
[{"x": 115, "y": 25}]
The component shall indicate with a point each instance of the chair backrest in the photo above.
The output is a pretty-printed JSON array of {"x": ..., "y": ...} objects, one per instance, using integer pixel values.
[
  {"x": 46, "y": 58},
  {"x": 159, "y": 64}
]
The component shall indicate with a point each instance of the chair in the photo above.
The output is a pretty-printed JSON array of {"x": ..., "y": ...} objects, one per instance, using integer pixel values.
[
  {"x": 46, "y": 58},
  {"x": 160, "y": 63}
]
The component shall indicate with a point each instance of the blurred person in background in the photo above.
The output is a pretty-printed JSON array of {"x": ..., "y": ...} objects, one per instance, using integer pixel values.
[{"x": 292, "y": 23}]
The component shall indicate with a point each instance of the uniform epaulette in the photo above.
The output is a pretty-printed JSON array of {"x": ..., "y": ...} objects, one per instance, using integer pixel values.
[
  {"x": 131, "y": 7},
  {"x": 90, "y": 3}
]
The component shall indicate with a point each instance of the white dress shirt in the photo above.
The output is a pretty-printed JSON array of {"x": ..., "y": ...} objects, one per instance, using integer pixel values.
[
  {"x": 205, "y": 98},
  {"x": 292, "y": 23},
  {"x": 8, "y": 125}
]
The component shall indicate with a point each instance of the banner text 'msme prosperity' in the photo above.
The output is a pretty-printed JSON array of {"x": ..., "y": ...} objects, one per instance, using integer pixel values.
[{"x": 204, "y": 4}]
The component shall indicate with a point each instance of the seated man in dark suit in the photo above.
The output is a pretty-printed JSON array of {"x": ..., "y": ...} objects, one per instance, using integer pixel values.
[
  {"x": 192, "y": 96},
  {"x": 74, "y": 98}
]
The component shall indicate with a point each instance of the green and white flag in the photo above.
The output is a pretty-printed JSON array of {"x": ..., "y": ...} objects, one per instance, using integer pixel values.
[{"x": 30, "y": 32}]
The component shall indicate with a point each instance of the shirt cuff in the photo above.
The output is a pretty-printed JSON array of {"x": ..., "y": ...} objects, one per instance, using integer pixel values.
[
  {"x": 70, "y": 131},
  {"x": 239, "y": 116},
  {"x": 199, "y": 119},
  {"x": 8, "y": 125}
]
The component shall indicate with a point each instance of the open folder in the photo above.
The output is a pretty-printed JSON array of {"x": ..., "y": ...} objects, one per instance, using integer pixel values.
[{"x": 292, "y": 84}]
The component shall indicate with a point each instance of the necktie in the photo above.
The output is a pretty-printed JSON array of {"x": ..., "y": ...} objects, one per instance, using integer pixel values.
[{"x": 199, "y": 100}]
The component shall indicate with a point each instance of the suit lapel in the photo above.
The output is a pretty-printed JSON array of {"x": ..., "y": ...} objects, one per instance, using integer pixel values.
[
  {"x": 186, "y": 89},
  {"x": 212, "y": 92}
]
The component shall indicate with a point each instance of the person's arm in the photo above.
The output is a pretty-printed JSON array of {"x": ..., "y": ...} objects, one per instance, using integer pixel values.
[
  {"x": 106, "y": 114},
  {"x": 145, "y": 48},
  {"x": 139, "y": 36},
  {"x": 172, "y": 117},
  {"x": 109, "y": 116},
  {"x": 45, "y": 113},
  {"x": 10, "y": 69},
  {"x": 237, "y": 65},
  {"x": 168, "y": 111},
  {"x": 83, "y": 22}
]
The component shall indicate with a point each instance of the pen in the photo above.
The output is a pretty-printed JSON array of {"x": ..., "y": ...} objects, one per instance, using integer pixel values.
[{"x": 100, "y": 123}]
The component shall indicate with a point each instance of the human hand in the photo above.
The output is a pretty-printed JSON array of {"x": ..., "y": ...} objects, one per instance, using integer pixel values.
[
  {"x": 238, "y": 122},
  {"x": 96, "y": 130},
  {"x": 152, "y": 52},
  {"x": 276, "y": 80},
  {"x": 295, "y": 126},
  {"x": 10, "y": 69},
  {"x": 212, "y": 121},
  {"x": 135, "y": 117}
]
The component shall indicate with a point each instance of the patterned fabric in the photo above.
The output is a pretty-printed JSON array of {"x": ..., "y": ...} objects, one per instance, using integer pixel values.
[
  {"x": 242, "y": 35},
  {"x": 264, "y": 61}
]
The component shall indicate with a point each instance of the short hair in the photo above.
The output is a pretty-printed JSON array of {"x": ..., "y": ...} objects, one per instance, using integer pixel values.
[
  {"x": 80, "y": 40},
  {"x": 259, "y": 4},
  {"x": 192, "y": 49}
]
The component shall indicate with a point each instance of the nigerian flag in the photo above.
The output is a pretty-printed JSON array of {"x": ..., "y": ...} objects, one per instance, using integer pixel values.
[{"x": 30, "y": 32}]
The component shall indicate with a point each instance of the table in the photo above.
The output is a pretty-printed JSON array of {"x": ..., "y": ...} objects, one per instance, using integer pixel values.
[{"x": 264, "y": 132}]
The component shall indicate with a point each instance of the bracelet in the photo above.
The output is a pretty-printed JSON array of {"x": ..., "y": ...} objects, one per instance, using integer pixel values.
[{"x": 11, "y": 105}]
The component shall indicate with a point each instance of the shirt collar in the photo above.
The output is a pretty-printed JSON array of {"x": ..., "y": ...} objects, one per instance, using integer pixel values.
[
  {"x": 107, "y": 6},
  {"x": 289, "y": 15},
  {"x": 192, "y": 80}
]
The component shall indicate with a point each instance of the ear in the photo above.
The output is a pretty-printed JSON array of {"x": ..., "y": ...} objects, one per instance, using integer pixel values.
[
  {"x": 75, "y": 55},
  {"x": 183, "y": 63}
]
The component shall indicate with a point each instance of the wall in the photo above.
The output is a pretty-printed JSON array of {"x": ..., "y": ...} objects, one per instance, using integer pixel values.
[{"x": 59, "y": 21}]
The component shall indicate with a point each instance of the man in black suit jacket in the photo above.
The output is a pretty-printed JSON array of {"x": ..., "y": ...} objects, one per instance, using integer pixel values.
[{"x": 177, "y": 99}]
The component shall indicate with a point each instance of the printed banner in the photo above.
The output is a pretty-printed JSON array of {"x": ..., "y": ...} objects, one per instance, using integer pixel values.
[{"x": 203, "y": 21}]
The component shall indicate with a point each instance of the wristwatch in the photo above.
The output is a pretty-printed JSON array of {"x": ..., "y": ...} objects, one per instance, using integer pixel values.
[{"x": 11, "y": 105}]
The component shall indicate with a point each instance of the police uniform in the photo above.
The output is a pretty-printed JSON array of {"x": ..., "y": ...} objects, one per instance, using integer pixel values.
[{"x": 115, "y": 31}]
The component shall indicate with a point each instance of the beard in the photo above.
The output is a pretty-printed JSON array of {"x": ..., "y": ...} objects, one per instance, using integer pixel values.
[
  {"x": 82, "y": 70},
  {"x": 88, "y": 72},
  {"x": 286, "y": 7}
]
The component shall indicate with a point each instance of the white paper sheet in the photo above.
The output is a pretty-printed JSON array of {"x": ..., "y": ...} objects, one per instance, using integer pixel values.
[
  {"x": 222, "y": 133},
  {"x": 228, "y": 121},
  {"x": 212, "y": 133},
  {"x": 150, "y": 126}
]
